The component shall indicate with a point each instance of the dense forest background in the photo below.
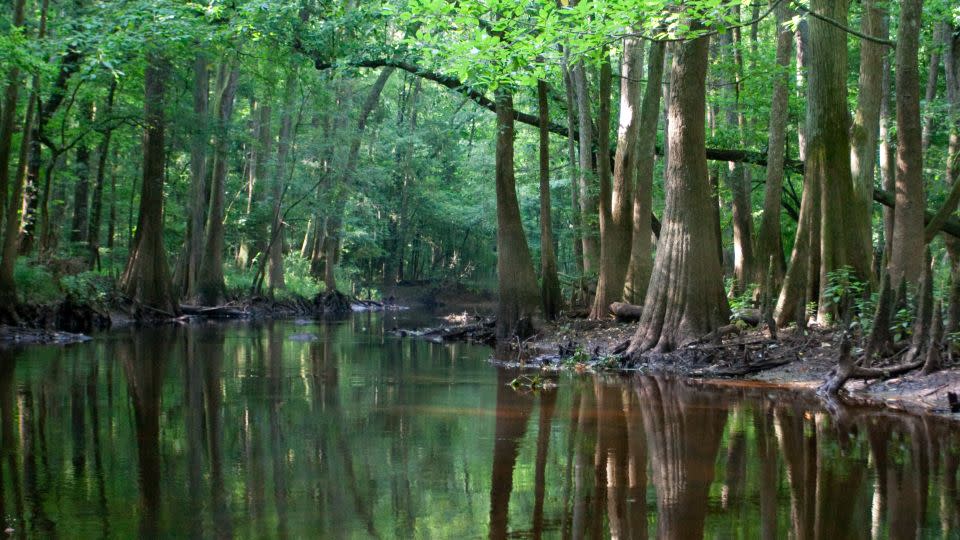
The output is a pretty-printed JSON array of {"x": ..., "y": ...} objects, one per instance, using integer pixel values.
[{"x": 176, "y": 152}]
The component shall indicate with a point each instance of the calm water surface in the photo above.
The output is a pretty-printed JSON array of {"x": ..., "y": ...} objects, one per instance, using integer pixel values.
[{"x": 336, "y": 430}]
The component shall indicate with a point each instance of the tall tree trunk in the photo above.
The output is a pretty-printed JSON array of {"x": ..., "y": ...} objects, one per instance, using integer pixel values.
[
  {"x": 69, "y": 63},
  {"x": 518, "y": 306},
  {"x": 146, "y": 279},
  {"x": 550, "y": 281},
  {"x": 641, "y": 262},
  {"x": 96, "y": 204},
  {"x": 888, "y": 167},
  {"x": 210, "y": 285},
  {"x": 275, "y": 245},
  {"x": 341, "y": 188},
  {"x": 828, "y": 150},
  {"x": 588, "y": 171},
  {"x": 736, "y": 174},
  {"x": 572, "y": 158},
  {"x": 8, "y": 116},
  {"x": 81, "y": 188},
  {"x": 906, "y": 258},
  {"x": 196, "y": 206},
  {"x": 616, "y": 220},
  {"x": 933, "y": 72},
  {"x": 769, "y": 242},
  {"x": 866, "y": 122},
  {"x": 685, "y": 299},
  {"x": 801, "y": 38}
]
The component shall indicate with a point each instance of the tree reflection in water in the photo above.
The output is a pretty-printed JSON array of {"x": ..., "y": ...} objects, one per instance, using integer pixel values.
[{"x": 338, "y": 430}]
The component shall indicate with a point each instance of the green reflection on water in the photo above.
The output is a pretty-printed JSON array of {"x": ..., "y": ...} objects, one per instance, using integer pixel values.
[{"x": 337, "y": 430}]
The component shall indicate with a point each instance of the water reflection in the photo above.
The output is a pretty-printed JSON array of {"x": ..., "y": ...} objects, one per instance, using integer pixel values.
[{"x": 337, "y": 430}]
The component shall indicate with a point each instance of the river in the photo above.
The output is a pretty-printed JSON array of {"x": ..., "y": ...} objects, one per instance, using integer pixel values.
[{"x": 307, "y": 429}]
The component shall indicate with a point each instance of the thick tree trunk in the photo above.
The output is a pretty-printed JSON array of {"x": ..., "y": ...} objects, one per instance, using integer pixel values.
[
  {"x": 906, "y": 257},
  {"x": 210, "y": 285},
  {"x": 769, "y": 242},
  {"x": 616, "y": 200},
  {"x": 96, "y": 204},
  {"x": 518, "y": 306},
  {"x": 685, "y": 300},
  {"x": 550, "y": 281},
  {"x": 798, "y": 283},
  {"x": 8, "y": 116},
  {"x": 146, "y": 279},
  {"x": 828, "y": 150},
  {"x": 588, "y": 171},
  {"x": 641, "y": 261},
  {"x": 196, "y": 207},
  {"x": 866, "y": 122}
]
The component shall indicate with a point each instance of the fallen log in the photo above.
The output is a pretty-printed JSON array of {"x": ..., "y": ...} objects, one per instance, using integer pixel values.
[
  {"x": 625, "y": 312},
  {"x": 214, "y": 312}
]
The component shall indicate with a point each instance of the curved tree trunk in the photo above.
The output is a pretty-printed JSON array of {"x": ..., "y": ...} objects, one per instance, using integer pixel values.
[
  {"x": 616, "y": 220},
  {"x": 210, "y": 285},
  {"x": 769, "y": 242},
  {"x": 685, "y": 299},
  {"x": 146, "y": 279},
  {"x": 550, "y": 281},
  {"x": 641, "y": 262},
  {"x": 906, "y": 257},
  {"x": 519, "y": 303}
]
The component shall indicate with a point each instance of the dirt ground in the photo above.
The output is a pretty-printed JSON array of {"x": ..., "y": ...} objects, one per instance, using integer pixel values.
[{"x": 799, "y": 361}]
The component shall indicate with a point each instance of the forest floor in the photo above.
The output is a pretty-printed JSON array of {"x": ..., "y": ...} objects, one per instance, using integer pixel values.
[{"x": 795, "y": 360}]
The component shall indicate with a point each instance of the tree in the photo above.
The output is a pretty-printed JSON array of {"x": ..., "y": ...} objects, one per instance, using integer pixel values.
[
  {"x": 518, "y": 305},
  {"x": 906, "y": 256},
  {"x": 210, "y": 286},
  {"x": 685, "y": 299},
  {"x": 549, "y": 281},
  {"x": 616, "y": 216},
  {"x": 146, "y": 279}
]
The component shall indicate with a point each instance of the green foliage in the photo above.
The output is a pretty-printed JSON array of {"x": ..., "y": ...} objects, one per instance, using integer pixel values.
[
  {"x": 35, "y": 283},
  {"x": 87, "y": 287}
]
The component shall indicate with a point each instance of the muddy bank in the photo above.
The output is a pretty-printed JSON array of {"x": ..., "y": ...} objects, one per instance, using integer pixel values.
[{"x": 795, "y": 360}]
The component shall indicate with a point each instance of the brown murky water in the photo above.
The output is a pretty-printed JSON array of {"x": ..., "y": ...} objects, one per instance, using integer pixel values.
[{"x": 336, "y": 430}]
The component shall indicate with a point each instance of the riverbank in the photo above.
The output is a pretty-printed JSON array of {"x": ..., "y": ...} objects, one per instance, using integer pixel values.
[{"x": 795, "y": 360}]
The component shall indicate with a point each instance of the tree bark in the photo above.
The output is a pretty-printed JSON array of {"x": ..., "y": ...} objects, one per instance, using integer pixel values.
[
  {"x": 866, "y": 122},
  {"x": 888, "y": 170},
  {"x": 550, "y": 281},
  {"x": 275, "y": 272},
  {"x": 641, "y": 262},
  {"x": 518, "y": 306},
  {"x": 685, "y": 300},
  {"x": 81, "y": 189},
  {"x": 588, "y": 171},
  {"x": 933, "y": 73},
  {"x": 146, "y": 279},
  {"x": 572, "y": 158},
  {"x": 906, "y": 257},
  {"x": 736, "y": 174},
  {"x": 8, "y": 116},
  {"x": 210, "y": 286},
  {"x": 348, "y": 165},
  {"x": 196, "y": 207},
  {"x": 769, "y": 242},
  {"x": 616, "y": 200},
  {"x": 96, "y": 204}
]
